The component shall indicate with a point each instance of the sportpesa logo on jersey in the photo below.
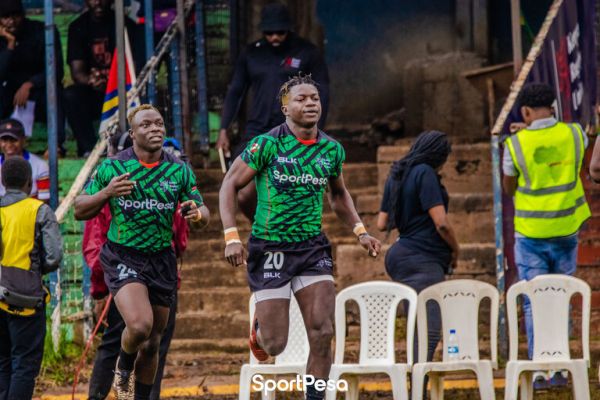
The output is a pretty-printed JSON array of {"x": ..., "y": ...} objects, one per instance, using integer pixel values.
[
  {"x": 303, "y": 179},
  {"x": 148, "y": 204}
]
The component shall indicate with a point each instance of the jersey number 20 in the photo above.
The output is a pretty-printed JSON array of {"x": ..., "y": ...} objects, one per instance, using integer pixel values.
[{"x": 274, "y": 260}]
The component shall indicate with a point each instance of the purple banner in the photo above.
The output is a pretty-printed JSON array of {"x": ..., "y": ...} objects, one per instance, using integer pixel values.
[{"x": 567, "y": 62}]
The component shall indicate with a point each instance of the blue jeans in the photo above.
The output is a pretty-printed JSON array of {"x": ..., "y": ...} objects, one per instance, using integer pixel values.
[{"x": 543, "y": 256}]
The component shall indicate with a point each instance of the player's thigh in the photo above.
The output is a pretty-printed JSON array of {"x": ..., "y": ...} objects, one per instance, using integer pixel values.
[
  {"x": 273, "y": 317},
  {"x": 317, "y": 304},
  {"x": 134, "y": 305}
]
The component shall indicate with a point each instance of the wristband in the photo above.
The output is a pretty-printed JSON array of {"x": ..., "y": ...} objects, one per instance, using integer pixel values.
[
  {"x": 232, "y": 241},
  {"x": 231, "y": 234},
  {"x": 359, "y": 229},
  {"x": 198, "y": 216}
]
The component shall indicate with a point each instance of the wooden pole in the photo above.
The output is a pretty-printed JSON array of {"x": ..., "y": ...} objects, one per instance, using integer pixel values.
[
  {"x": 534, "y": 52},
  {"x": 515, "y": 14},
  {"x": 121, "y": 71}
]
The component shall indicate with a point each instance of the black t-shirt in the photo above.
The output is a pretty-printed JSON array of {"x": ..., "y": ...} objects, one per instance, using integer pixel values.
[
  {"x": 421, "y": 191},
  {"x": 93, "y": 41}
]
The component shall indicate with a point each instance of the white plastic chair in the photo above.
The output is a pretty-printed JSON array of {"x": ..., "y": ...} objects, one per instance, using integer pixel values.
[
  {"x": 459, "y": 301},
  {"x": 291, "y": 361},
  {"x": 550, "y": 297},
  {"x": 378, "y": 303}
]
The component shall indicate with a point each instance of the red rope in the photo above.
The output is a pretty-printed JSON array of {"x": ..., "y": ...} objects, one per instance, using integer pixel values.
[{"x": 88, "y": 345}]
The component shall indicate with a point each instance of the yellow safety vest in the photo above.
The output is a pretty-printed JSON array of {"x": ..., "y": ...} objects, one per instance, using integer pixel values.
[
  {"x": 18, "y": 235},
  {"x": 549, "y": 201}
]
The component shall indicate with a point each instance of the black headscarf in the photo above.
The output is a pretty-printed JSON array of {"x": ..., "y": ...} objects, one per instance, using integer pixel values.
[{"x": 431, "y": 148}]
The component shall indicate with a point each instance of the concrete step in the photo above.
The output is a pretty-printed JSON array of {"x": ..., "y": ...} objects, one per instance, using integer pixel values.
[
  {"x": 468, "y": 168},
  {"x": 202, "y": 325},
  {"x": 228, "y": 346},
  {"x": 206, "y": 275},
  {"x": 353, "y": 265},
  {"x": 459, "y": 202},
  {"x": 470, "y": 214},
  {"x": 356, "y": 176},
  {"x": 211, "y": 199},
  {"x": 214, "y": 299}
]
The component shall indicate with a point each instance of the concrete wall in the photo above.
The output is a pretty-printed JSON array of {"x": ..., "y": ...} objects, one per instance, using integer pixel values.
[{"x": 367, "y": 45}]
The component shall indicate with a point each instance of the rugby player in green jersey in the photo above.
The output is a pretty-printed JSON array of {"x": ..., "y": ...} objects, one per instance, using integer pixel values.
[
  {"x": 142, "y": 185},
  {"x": 293, "y": 165}
]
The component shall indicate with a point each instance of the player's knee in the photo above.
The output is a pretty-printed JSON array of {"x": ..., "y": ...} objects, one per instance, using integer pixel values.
[
  {"x": 139, "y": 331},
  {"x": 320, "y": 337},
  {"x": 151, "y": 346},
  {"x": 274, "y": 345}
]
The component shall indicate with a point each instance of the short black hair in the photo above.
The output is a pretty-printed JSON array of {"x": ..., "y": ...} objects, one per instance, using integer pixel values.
[
  {"x": 11, "y": 7},
  {"x": 16, "y": 173},
  {"x": 536, "y": 95},
  {"x": 300, "y": 79}
]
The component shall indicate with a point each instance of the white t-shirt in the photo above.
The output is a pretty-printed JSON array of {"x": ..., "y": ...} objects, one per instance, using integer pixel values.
[{"x": 40, "y": 175}]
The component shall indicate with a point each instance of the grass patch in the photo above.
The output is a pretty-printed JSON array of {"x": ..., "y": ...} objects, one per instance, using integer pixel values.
[{"x": 58, "y": 367}]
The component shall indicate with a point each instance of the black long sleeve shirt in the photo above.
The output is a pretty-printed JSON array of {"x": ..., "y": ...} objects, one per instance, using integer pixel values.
[
  {"x": 27, "y": 61},
  {"x": 262, "y": 69}
]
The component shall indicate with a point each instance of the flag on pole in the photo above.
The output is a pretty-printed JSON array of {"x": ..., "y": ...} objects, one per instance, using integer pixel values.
[{"x": 111, "y": 98}]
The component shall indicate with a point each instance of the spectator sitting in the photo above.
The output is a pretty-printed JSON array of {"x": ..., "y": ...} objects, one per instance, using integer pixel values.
[
  {"x": 23, "y": 64},
  {"x": 91, "y": 45},
  {"x": 31, "y": 247},
  {"x": 12, "y": 144}
]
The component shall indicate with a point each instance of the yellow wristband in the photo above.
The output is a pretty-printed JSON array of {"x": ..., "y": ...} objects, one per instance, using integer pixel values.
[
  {"x": 231, "y": 234},
  {"x": 198, "y": 216},
  {"x": 359, "y": 229}
]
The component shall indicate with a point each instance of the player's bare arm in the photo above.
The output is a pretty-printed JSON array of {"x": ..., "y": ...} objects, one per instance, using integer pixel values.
[
  {"x": 238, "y": 176},
  {"x": 88, "y": 206},
  {"x": 199, "y": 217},
  {"x": 343, "y": 206}
]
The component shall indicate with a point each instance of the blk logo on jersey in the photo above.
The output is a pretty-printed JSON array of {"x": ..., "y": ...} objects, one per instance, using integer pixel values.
[{"x": 169, "y": 186}]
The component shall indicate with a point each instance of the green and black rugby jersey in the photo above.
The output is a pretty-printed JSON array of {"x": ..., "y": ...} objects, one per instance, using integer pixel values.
[
  {"x": 290, "y": 181},
  {"x": 144, "y": 219}
]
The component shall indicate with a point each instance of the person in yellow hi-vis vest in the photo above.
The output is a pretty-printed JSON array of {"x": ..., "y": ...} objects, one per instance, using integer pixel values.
[
  {"x": 541, "y": 166},
  {"x": 31, "y": 247}
]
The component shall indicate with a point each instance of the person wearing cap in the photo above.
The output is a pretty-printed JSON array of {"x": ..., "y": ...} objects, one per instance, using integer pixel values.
[
  {"x": 23, "y": 64},
  {"x": 31, "y": 247},
  {"x": 542, "y": 164},
  {"x": 263, "y": 68},
  {"x": 12, "y": 144}
]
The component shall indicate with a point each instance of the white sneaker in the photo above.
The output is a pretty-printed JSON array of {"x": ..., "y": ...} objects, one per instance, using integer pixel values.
[{"x": 124, "y": 384}]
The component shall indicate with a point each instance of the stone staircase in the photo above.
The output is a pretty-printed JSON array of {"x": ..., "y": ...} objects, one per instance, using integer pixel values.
[{"x": 213, "y": 300}]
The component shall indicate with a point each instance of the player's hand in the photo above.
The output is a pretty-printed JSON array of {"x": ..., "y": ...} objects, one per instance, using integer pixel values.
[
  {"x": 97, "y": 79},
  {"x": 189, "y": 210},
  {"x": 11, "y": 40},
  {"x": 120, "y": 186},
  {"x": 223, "y": 143},
  {"x": 371, "y": 244},
  {"x": 517, "y": 126},
  {"x": 235, "y": 254},
  {"x": 22, "y": 94}
]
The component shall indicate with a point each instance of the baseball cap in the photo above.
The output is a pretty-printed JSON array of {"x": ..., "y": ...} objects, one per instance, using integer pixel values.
[
  {"x": 275, "y": 17},
  {"x": 12, "y": 128}
]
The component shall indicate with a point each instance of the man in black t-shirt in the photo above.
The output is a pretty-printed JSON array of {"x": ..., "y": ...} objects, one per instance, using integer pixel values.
[
  {"x": 23, "y": 63},
  {"x": 91, "y": 44}
]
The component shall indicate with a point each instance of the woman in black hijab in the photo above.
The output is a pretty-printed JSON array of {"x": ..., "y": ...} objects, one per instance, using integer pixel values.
[{"x": 416, "y": 203}]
